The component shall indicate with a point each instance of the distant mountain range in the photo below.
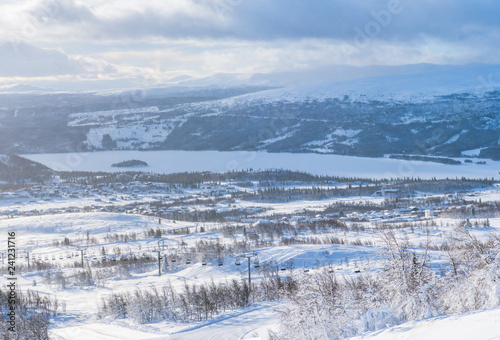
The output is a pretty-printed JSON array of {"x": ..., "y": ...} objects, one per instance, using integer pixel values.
[{"x": 414, "y": 109}]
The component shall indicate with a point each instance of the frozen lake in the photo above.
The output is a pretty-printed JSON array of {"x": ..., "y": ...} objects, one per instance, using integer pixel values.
[{"x": 217, "y": 161}]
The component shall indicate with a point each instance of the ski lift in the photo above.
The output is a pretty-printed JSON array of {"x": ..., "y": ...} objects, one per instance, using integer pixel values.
[
  {"x": 256, "y": 263},
  {"x": 283, "y": 268},
  {"x": 60, "y": 257},
  {"x": 53, "y": 257},
  {"x": 188, "y": 261},
  {"x": 357, "y": 270},
  {"x": 204, "y": 262},
  {"x": 220, "y": 262},
  {"x": 173, "y": 259},
  {"x": 238, "y": 261}
]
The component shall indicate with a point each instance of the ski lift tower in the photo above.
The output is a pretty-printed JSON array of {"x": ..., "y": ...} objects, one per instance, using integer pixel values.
[
  {"x": 161, "y": 247},
  {"x": 256, "y": 265},
  {"x": 82, "y": 249}
]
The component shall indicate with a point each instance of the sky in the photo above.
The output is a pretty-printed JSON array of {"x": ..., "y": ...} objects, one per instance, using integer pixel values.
[{"x": 143, "y": 43}]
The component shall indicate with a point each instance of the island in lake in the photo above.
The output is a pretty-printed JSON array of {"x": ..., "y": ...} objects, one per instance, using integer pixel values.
[{"x": 134, "y": 163}]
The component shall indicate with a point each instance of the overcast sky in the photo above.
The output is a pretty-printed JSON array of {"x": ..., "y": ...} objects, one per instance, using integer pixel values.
[{"x": 151, "y": 41}]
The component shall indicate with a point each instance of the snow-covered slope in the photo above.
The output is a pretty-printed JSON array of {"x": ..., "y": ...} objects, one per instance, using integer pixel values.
[
  {"x": 414, "y": 87},
  {"x": 480, "y": 325}
]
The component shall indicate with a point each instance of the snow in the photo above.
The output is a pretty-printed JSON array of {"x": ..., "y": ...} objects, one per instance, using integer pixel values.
[
  {"x": 474, "y": 152},
  {"x": 455, "y": 137},
  {"x": 414, "y": 88},
  {"x": 250, "y": 323},
  {"x": 216, "y": 161},
  {"x": 4, "y": 159},
  {"x": 346, "y": 132},
  {"x": 36, "y": 235},
  {"x": 480, "y": 325}
]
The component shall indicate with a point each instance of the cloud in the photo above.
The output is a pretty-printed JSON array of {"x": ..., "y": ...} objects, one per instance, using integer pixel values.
[
  {"x": 391, "y": 20},
  {"x": 22, "y": 59},
  {"x": 200, "y": 37}
]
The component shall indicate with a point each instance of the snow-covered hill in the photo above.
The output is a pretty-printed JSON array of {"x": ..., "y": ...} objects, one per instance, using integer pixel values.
[
  {"x": 410, "y": 88},
  {"x": 440, "y": 111}
]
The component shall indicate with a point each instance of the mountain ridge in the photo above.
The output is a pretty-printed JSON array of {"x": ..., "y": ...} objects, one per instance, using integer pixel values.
[{"x": 437, "y": 111}]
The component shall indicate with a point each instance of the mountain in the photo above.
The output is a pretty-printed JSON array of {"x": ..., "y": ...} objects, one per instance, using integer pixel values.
[
  {"x": 24, "y": 88},
  {"x": 17, "y": 170},
  {"x": 416, "y": 109}
]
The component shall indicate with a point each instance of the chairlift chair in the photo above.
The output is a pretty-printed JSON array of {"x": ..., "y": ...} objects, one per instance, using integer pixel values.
[
  {"x": 220, "y": 262},
  {"x": 188, "y": 261},
  {"x": 256, "y": 263},
  {"x": 357, "y": 270},
  {"x": 238, "y": 261},
  {"x": 203, "y": 262}
]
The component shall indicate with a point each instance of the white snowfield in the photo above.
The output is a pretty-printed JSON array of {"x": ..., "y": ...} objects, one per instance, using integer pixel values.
[
  {"x": 81, "y": 322},
  {"x": 217, "y": 161},
  {"x": 479, "y": 325},
  {"x": 249, "y": 324}
]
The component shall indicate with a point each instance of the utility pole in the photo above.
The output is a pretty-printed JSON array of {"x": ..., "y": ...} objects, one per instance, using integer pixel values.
[{"x": 28, "y": 258}]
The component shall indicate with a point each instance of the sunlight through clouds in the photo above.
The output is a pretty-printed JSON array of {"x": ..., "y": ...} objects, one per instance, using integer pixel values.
[{"x": 200, "y": 37}]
